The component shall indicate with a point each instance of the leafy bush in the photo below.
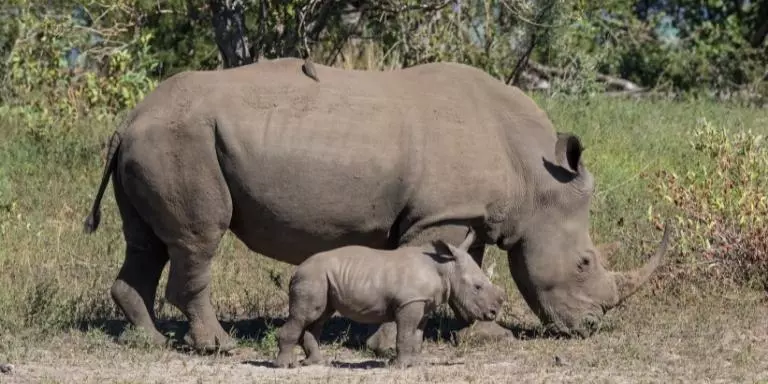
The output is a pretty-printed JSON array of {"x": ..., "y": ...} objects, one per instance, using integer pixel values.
[
  {"x": 723, "y": 206},
  {"x": 693, "y": 47},
  {"x": 71, "y": 64},
  {"x": 67, "y": 63}
]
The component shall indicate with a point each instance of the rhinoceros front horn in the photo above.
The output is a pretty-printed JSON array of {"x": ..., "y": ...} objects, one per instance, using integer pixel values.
[{"x": 627, "y": 283}]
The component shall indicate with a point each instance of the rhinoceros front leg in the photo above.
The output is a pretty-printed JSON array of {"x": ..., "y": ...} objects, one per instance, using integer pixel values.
[{"x": 410, "y": 320}]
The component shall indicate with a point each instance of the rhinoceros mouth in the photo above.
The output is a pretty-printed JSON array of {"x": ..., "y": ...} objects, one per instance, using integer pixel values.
[{"x": 588, "y": 327}]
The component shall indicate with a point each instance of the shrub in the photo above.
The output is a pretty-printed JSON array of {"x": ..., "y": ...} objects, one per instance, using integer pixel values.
[{"x": 722, "y": 207}]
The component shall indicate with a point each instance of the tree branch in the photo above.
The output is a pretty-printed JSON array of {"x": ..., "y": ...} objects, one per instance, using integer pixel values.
[{"x": 228, "y": 19}]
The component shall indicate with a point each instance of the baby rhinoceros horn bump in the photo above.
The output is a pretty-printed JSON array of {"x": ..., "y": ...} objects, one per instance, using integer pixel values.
[{"x": 627, "y": 283}]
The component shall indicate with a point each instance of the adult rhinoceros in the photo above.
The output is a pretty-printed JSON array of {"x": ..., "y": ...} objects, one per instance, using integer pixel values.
[{"x": 293, "y": 166}]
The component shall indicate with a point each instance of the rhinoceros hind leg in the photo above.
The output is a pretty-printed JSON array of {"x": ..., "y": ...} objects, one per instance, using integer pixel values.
[
  {"x": 134, "y": 289},
  {"x": 145, "y": 257},
  {"x": 382, "y": 340},
  {"x": 310, "y": 340},
  {"x": 287, "y": 338},
  {"x": 308, "y": 310},
  {"x": 189, "y": 289}
]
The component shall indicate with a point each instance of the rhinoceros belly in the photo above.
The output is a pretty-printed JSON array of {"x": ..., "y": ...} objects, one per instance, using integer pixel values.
[
  {"x": 309, "y": 181},
  {"x": 369, "y": 286},
  {"x": 361, "y": 283}
]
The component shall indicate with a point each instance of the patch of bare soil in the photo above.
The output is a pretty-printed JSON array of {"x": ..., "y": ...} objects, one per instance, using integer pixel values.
[
  {"x": 713, "y": 342},
  {"x": 494, "y": 364}
]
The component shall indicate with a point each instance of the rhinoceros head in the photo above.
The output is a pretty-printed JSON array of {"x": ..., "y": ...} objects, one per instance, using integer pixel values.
[
  {"x": 470, "y": 290},
  {"x": 557, "y": 268}
]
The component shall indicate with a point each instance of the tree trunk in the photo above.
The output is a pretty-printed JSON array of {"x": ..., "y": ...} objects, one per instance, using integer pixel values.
[
  {"x": 761, "y": 25},
  {"x": 228, "y": 18}
]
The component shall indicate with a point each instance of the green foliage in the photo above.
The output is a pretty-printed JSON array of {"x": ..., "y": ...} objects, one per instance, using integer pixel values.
[
  {"x": 579, "y": 66},
  {"x": 182, "y": 38},
  {"x": 68, "y": 62},
  {"x": 723, "y": 206},
  {"x": 67, "y": 71},
  {"x": 688, "y": 46},
  {"x": 49, "y": 63}
]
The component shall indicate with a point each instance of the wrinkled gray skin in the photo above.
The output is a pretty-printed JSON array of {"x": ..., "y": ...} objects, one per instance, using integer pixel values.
[
  {"x": 294, "y": 166},
  {"x": 374, "y": 286}
]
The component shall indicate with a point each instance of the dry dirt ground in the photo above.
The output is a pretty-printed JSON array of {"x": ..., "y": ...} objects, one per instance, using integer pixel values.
[{"x": 713, "y": 340}]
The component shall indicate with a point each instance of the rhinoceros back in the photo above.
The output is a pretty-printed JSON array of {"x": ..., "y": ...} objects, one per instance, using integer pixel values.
[{"x": 311, "y": 166}]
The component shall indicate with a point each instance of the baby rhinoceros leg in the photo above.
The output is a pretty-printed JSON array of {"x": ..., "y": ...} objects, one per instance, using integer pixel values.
[
  {"x": 308, "y": 309},
  {"x": 310, "y": 343},
  {"x": 410, "y": 320}
]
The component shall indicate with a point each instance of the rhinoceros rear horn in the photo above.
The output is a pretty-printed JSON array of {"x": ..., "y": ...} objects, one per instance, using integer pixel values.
[{"x": 627, "y": 283}]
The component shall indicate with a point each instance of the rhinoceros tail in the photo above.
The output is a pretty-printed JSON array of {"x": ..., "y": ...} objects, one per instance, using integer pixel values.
[{"x": 93, "y": 219}]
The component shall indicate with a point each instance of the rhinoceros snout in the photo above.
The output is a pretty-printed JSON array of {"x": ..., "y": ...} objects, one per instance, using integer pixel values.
[
  {"x": 494, "y": 310},
  {"x": 592, "y": 325}
]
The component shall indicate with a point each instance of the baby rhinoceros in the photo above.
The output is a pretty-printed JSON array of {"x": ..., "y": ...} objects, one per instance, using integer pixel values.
[{"x": 373, "y": 286}]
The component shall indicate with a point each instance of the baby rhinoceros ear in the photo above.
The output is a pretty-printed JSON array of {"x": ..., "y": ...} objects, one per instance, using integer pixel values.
[
  {"x": 463, "y": 248},
  {"x": 468, "y": 240}
]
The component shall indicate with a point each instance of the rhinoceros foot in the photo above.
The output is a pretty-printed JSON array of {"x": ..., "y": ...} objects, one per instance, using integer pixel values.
[
  {"x": 205, "y": 342},
  {"x": 314, "y": 360},
  {"x": 382, "y": 342},
  {"x": 482, "y": 331},
  {"x": 284, "y": 361}
]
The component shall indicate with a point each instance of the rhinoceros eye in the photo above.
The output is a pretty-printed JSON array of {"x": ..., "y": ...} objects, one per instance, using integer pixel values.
[{"x": 584, "y": 264}]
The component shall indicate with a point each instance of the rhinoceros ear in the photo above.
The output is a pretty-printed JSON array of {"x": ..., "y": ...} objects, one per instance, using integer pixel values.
[{"x": 568, "y": 150}]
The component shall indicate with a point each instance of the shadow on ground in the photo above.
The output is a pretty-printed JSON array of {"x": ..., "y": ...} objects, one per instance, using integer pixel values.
[
  {"x": 337, "y": 330},
  {"x": 367, "y": 364}
]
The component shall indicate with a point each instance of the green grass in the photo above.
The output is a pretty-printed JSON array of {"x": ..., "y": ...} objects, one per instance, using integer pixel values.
[
  {"x": 56, "y": 279},
  {"x": 626, "y": 140}
]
